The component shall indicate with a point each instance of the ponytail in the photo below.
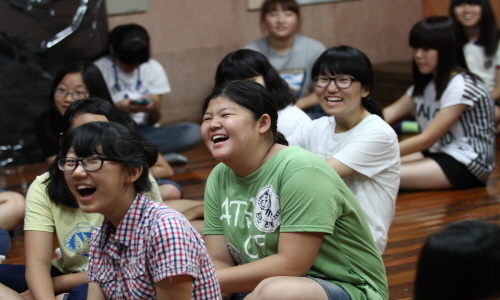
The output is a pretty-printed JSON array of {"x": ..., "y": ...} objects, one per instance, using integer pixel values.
[
  {"x": 279, "y": 138},
  {"x": 372, "y": 106}
]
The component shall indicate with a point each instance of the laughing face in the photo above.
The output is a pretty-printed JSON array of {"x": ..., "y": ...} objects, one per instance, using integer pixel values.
[
  {"x": 98, "y": 191},
  {"x": 468, "y": 15},
  {"x": 341, "y": 102},
  {"x": 229, "y": 130}
]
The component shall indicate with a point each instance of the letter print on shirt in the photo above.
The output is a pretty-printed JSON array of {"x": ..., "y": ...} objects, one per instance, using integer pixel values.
[{"x": 267, "y": 210}]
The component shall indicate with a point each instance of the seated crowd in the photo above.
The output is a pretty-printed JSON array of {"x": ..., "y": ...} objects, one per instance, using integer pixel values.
[{"x": 274, "y": 121}]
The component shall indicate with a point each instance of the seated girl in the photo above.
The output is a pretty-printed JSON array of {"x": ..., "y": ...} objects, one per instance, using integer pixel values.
[
  {"x": 143, "y": 249},
  {"x": 354, "y": 140},
  {"x": 253, "y": 65},
  {"x": 279, "y": 222},
  {"x": 454, "y": 110},
  {"x": 78, "y": 81},
  {"x": 51, "y": 208}
]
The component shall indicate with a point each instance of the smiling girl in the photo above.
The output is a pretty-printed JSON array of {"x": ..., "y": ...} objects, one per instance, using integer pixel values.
[
  {"x": 454, "y": 110},
  {"x": 290, "y": 53},
  {"x": 481, "y": 37},
  {"x": 263, "y": 211},
  {"x": 354, "y": 140},
  {"x": 142, "y": 250}
]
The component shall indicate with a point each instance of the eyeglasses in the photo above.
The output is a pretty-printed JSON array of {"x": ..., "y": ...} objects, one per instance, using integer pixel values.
[
  {"x": 92, "y": 163},
  {"x": 342, "y": 82},
  {"x": 63, "y": 93}
]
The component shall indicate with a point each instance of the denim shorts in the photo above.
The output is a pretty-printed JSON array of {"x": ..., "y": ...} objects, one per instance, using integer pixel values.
[
  {"x": 162, "y": 181},
  {"x": 333, "y": 291}
]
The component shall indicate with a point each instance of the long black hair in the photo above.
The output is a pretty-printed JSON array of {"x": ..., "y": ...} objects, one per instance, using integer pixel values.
[
  {"x": 253, "y": 97},
  {"x": 348, "y": 60},
  {"x": 245, "y": 64},
  {"x": 489, "y": 33},
  {"x": 439, "y": 33},
  {"x": 94, "y": 82}
]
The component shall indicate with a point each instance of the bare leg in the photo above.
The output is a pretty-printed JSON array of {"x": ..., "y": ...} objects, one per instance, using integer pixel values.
[
  {"x": 182, "y": 205},
  {"x": 169, "y": 192},
  {"x": 423, "y": 174},
  {"x": 9, "y": 294},
  {"x": 11, "y": 209},
  {"x": 288, "y": 288},
  {"x": 412, "y": 157},
  {"x": 199, "y": 225}
]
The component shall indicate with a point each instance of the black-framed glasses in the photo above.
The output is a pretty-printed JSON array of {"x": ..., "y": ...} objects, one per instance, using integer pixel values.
[
  {"x": 63, "y": 93},
  {"x": 92, "y": 163},
  {"x": 342, "y": 82}
]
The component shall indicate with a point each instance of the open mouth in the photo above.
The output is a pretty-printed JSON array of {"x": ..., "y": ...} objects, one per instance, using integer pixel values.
[
  {"x": 219, "y": 138},
  {"x": 85, "y": 191}
]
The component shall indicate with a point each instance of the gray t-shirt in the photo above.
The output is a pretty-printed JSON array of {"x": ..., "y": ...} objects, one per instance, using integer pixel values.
[{"x": 295, "y": 65}]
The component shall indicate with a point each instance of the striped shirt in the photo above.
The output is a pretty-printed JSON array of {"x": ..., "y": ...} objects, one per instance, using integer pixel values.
[
  {"x": 471, "y": 139},
  {"x": 151, "y": 243}
]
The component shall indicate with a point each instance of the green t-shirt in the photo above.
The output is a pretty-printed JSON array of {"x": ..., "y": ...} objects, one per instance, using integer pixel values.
[{"x": 295, "y": 191}]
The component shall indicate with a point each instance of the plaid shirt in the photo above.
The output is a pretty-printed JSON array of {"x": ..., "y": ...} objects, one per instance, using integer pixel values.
[{"x": 151, "y": 243}]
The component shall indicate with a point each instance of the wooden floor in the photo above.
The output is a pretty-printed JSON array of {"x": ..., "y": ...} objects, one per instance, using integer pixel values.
[{"x": 418, "y": 214}]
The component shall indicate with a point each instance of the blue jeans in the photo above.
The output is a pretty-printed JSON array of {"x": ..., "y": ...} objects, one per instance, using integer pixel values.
[
  {"x": 333, "y": 291},
  {"x": 12, "y": 276},
  {"x": 4, "y": 242},
  {"x": 177, "y": 137}
]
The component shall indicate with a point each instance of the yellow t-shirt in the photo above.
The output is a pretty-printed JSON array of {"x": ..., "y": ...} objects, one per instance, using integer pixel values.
[{"x": 72, "y": 226}]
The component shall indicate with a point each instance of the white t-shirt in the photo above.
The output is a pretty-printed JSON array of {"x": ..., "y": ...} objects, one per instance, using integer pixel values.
[
  {"x": 291, "y": 119},
  {"x": 471, "y": 139},
  {"x": 481, "y": 65},
  {"x": 148, "y": 79},
  {"x": 371, "y": 149}
]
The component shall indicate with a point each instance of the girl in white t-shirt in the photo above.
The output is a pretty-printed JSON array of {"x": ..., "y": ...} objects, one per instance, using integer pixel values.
[
  {"x": 354, "y": 140},
  {"x": 454, "y": 110},
  {"x": 481, "y": 37},
  {"x": 248, "y": 64}
]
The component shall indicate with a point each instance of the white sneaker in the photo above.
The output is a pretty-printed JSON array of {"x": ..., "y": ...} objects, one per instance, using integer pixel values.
[
  {"x": 2, "y": 258},
  {"x": 58, "y": 252}
]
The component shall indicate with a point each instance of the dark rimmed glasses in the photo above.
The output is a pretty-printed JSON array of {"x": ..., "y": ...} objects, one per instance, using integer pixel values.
[
  {"x": 342, "y": 82},
  {"x": 92, "y": 163}
]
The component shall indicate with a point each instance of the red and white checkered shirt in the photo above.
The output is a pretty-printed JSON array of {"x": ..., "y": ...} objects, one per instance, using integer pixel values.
[{"x": 151, "y": 243}]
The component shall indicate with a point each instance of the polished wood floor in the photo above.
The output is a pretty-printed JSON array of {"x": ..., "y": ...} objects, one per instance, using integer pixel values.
[{"x": 418, "y": 214}]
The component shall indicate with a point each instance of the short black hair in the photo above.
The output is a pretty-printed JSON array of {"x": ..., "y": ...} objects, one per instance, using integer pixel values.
[
  {"x": 244, "y": 64},
  {"x": 462, "y": 262},
  {"x": 102, "y": 138},
  {"x": 348, "y": 60},
  {"x": 130, "y": 43}
]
